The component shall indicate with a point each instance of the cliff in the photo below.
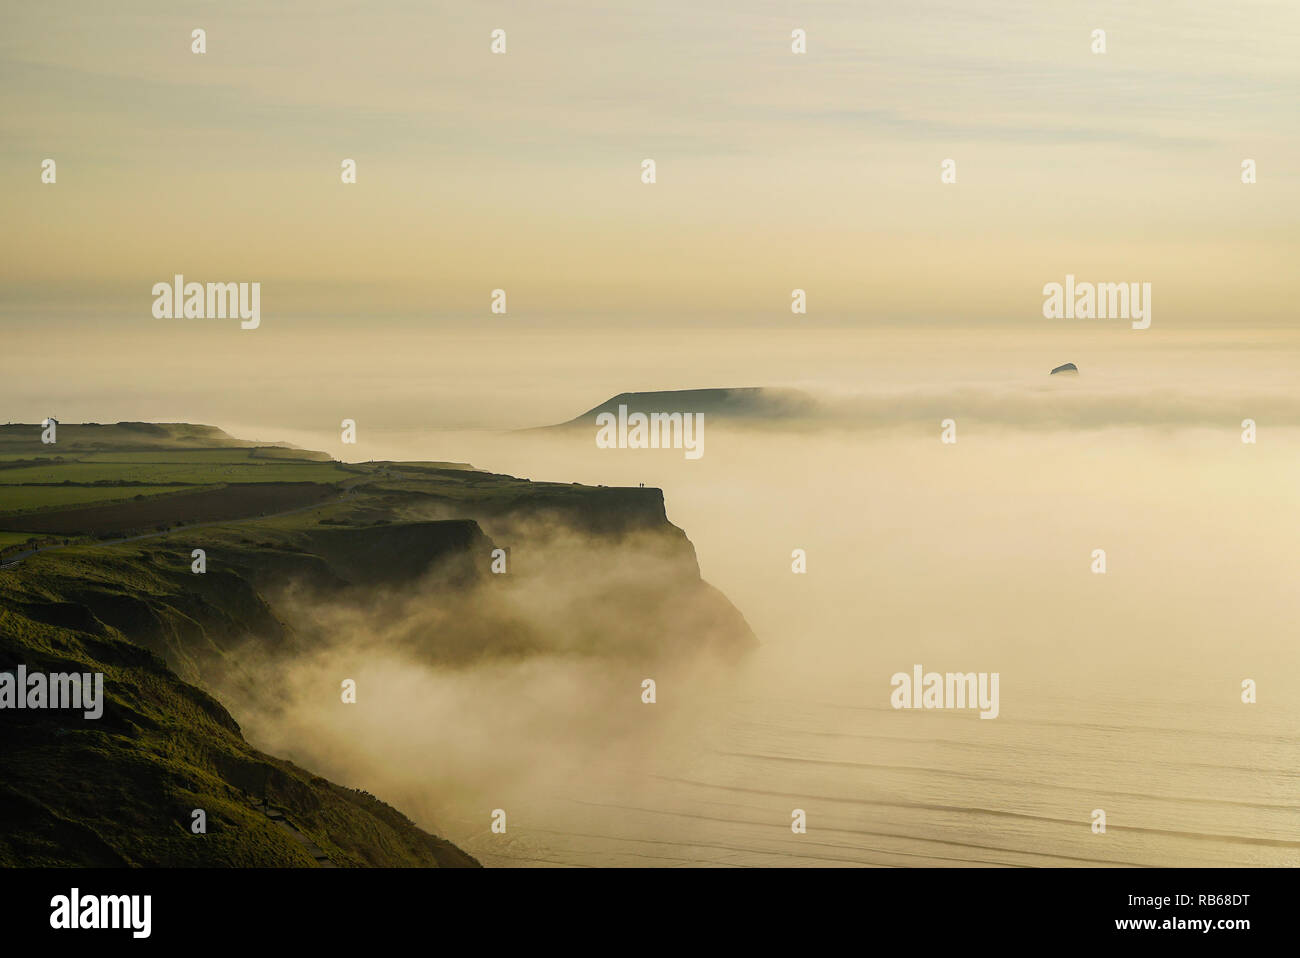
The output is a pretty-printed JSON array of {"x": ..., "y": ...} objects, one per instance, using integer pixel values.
[{"x": 587, "y": 571}]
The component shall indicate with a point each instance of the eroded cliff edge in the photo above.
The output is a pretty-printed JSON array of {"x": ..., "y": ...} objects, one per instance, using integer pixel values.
[{"x": 459, "y": 565}]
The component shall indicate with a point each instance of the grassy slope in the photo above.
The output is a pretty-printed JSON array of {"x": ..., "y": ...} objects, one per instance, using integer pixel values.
[
  {"x": 109, "y": 463},
  {"x": 58, "y": 490},
  {"x": 120, "y": 790},
  {"x": 19, "y": 499},
  {"x": 136, "y": 612},
  {"x": 121, "y": 436},
  {"x": 159, "y": 472}
]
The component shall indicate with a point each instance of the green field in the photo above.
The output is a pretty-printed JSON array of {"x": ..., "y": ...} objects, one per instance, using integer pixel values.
[
  {"x": 280, "y": 452},
  {"x": 98, "y": 490},
  {"x": 207, "y": 455},
  {"x": 14, "y": 538},
  {"x": 26, "y": 498},
  {"x": 196, "y": 504},
  {"x": 159, "y": 470},
  {"x": 122, "y": 436}
]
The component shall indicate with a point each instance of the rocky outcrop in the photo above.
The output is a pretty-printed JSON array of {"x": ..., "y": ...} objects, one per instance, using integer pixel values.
[{"x": 746, "y": 403}]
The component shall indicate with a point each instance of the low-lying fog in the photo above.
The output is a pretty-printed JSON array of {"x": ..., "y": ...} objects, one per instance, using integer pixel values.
[{"x": 1119, "y": 691}]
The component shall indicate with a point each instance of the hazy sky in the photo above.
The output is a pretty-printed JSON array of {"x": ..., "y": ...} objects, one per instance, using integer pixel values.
[{"x": 775, "y": 171}]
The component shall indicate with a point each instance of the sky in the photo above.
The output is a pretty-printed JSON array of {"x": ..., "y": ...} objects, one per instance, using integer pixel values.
[{"x": 522, "y": 171}]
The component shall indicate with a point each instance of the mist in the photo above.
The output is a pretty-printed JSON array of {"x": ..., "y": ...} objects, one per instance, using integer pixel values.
[{"x": 1118, "y": 690}]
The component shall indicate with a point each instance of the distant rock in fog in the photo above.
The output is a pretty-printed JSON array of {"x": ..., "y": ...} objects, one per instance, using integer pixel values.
[{"x": 750, "y": 403}]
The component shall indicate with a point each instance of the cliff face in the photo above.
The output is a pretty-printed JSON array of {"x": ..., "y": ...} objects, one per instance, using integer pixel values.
[
  {"x": 590, "y": 570},
  {"x": 593, "y": 572}
]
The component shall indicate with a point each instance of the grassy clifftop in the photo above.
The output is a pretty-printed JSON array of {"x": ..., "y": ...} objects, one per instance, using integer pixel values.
[{"x": 110, "y": 588}]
